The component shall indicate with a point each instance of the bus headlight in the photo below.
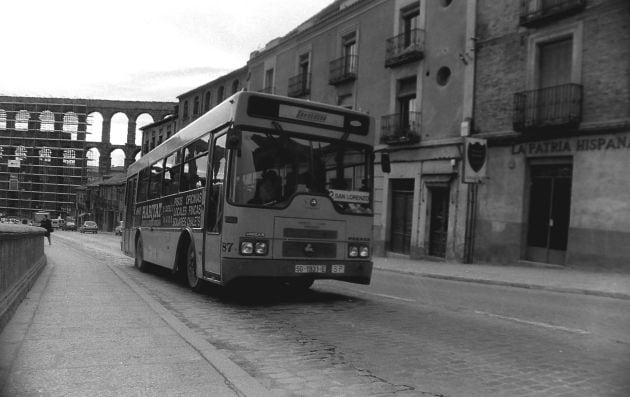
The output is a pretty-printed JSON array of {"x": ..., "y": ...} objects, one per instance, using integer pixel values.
[
  {"x": 254, "y": 247},
  {"x": 358, "y": 251}
]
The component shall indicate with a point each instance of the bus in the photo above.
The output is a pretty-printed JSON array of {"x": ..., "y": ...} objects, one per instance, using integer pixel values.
[{"x": 261, "y": 187}]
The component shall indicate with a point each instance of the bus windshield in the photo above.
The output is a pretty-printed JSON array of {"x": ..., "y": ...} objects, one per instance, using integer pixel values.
[{"x": 269, "y": 169}]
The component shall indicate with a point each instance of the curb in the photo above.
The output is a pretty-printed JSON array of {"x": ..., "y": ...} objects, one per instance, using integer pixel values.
[
  {"x": 567, "y": 290},
  {"x": 237, "y": 378}
]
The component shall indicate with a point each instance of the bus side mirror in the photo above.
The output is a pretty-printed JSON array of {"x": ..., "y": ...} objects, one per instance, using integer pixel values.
[
  {"x": 233, "y": 140},
  {"x": 385, "y": 163}
]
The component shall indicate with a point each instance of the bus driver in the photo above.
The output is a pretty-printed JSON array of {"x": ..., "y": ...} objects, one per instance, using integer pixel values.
[{"x": 268, "y": 189}]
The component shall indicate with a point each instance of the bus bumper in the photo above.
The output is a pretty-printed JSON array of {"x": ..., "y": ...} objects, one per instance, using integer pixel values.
[{"x": 359, "y": 272}]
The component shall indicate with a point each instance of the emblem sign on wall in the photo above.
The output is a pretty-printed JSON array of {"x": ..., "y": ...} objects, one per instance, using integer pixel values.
[{"x": 475, "y": 159}]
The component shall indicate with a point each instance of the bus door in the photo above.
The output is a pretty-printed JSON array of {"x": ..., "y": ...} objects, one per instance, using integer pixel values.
[
  {"x": 130, "y": 202},
  {"x": 215, "y": 196}
]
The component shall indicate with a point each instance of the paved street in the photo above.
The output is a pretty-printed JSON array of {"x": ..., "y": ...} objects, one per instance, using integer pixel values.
[{"x": 404, "y": 335}]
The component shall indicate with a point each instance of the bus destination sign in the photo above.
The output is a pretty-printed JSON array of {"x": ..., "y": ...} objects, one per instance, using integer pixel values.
[{"x": 311, "y": 116}]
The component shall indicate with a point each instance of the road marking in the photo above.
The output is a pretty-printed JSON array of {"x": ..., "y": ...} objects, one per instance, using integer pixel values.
[
  {"x": 391, "y": 297},
  {"x": 535, "y": 323}
]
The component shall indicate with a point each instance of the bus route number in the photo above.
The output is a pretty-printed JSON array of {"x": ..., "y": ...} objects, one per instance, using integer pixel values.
[{"x": 226, "y": 247}]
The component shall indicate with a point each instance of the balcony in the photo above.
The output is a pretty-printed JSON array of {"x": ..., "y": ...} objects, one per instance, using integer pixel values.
[
  {"x": 343, "y": 69},
  {"x": 558, "y": 107},
  {"x": 400, "y": 128},
  {"x": 404, "y": 48},
  {"x": 299, "y": 85},
  {"x": 539, "y": 11}
]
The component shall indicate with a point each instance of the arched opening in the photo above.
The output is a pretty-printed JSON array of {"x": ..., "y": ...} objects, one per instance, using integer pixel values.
[
  {"x": 47, "y": 121},
  {"x": 3, "y": 119},
  {"x": 21, "y": 120},
  {"x": 93, "y": 156},
  {"x": 94, "y": 127},
  {"x": 71, "y": 125},
  {"x": 119, "y": 129},
  {"x": 141, "y": 121},
  {"x": 117, "y": 158}
]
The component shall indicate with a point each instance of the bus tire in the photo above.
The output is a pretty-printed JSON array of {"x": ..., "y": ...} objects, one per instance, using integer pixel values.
[
  {"x": 139, "y": 261},
  {"x": 190, "y": 264}
]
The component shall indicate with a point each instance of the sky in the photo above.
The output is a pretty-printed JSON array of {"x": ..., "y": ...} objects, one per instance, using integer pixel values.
[{"x": 145, "y": 50}]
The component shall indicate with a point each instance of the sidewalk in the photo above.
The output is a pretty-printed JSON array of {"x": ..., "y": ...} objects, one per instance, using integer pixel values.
[
  {"x": 608, "y": 284},
  {"x": 82, "y": 330}
]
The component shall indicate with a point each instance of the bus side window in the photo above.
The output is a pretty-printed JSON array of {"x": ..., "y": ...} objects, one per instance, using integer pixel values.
[
  {"x": 171, "y": 175},
  {"x": 143, "y": 184},
  {"x": 196, "y": 163},
  {"x": 155, "y": 184}
]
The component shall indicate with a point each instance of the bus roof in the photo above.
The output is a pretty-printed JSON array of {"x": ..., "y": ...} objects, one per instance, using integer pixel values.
[{"x": 224, "y": 113}]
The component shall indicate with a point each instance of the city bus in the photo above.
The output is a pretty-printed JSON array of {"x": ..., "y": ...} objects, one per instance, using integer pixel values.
[{"x": 261, "y": 187}]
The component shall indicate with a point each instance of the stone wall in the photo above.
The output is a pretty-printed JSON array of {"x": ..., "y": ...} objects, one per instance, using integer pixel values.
[{"x": 21, "y": 260}]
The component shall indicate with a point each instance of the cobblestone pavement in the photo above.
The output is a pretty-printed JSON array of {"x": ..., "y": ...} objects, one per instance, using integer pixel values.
[
  {"x": 324, "y": 343},
  {"x": 331, "y": 342}
]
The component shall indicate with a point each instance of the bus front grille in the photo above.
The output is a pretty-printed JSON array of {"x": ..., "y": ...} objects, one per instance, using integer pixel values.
[
  {"x": 305, "y": 249},
  {"x": 310, "y": 233}
]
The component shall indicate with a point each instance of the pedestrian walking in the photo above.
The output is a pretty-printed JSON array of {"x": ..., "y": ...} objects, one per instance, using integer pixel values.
[{"x": 47, "y": 224}]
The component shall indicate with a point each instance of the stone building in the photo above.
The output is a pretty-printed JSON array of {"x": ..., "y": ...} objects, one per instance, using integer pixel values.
[
  {"x": 552, "y": 99},
  {"x": 49, "y": 147},
  {"x": 155, "y": 133}
]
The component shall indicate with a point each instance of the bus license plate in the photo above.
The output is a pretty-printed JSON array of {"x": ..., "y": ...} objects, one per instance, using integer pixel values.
[{"x": 310, "y": 268}]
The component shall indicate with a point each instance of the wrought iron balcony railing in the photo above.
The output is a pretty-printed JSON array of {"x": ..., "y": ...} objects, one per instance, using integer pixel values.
[
  {"x": 406, "y": 47},
  {"x": 300, "y": 85},
  {"x": 400, "y": 128},
  {"x": 537, "y": 11},
  {"x": 343, "y": 69},
  {"x": 557, "y": 107}
]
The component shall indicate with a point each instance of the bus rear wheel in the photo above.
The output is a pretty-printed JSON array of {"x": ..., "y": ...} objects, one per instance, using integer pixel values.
[
  {"x": 139, "y": 261},
  {"x": 194, "y": 282}
]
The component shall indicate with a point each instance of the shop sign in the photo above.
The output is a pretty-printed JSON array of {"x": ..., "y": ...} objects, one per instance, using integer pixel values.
[
  {"x": 569, "y": 146},
  {"x": 475, "y": 159}
]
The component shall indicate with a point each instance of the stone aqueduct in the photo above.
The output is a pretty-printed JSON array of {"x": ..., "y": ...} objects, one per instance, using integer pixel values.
[{"x": 107, "y": 109}]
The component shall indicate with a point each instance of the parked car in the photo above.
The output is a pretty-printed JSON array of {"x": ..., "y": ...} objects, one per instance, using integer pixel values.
[
  {"x": 88, "y": 227},
  {"x": 69, "y": 225},
  {"x": 119, "y": 228}
]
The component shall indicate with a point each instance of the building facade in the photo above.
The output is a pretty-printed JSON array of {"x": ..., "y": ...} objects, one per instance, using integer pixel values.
[
  {"x": 552, "y": 99},
  {"x": 408, "y": 64},
  {"x": 155, "y": 133}
]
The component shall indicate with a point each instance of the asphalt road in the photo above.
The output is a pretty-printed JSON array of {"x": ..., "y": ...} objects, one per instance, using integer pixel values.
[{"x": 403, "y": 335}]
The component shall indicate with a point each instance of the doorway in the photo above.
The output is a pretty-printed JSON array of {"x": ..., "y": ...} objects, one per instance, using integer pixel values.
[
  {"x": 549, "y": 212},
  {"x": 401, "y": 215},
  {"x": 438, "y": 220}
]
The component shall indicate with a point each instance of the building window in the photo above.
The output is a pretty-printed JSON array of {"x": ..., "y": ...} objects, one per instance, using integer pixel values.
[
  {"x": 406, "y": 100},
  {"x": 45, "y": 154},
  {"x": 196, "y": 106},
  {"x": 300, "y": 84},
  {"x": 220, "y": 94},
  {"x": 69, "y": 156},
  {"x": 20, "y": 153},
  {"x": 409, "y": 23},
  {"x": 235, "y": 85},
  {"x": 207, "y": 101},
  {"x": 3, "y": 119},
  {"x": 268, "y": 88},
  {"x": 185, "y": 110}
]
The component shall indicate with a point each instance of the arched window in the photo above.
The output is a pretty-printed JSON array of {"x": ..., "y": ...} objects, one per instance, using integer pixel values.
[
  {"x": 3, "y": 119},
  {"x": 235, "y": 85},
  {"x": 220, "y": 94},
  {"x": 94, "y": 127},
  {"x": 45, "y": 155},
  {"x": 196, "y": 106},
  {"x": 21, "y": 120},
  {"x": 119, "y": 129},
  {"x": 185, "y": 110},
  {"x": 47, "y": 121}
]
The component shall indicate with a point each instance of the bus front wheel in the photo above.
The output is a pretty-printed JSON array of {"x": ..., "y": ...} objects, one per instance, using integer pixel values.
[
  {"x": 139, "y": 262},
  {"x": 194, "y": 282}
]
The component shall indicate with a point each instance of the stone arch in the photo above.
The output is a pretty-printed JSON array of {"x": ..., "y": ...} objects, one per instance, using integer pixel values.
[
  {"x": 21, "y": 120},
  {"x": 95, "y": 127},
  {"x": 46, "y": 121},
  {"x": 118, "y": 157},
  {"x": 93, "y": 156},
  {"x": 142, "y": 120},
  {"x": 119, "y": 128},
  {"x": 71, "y": 124}
]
